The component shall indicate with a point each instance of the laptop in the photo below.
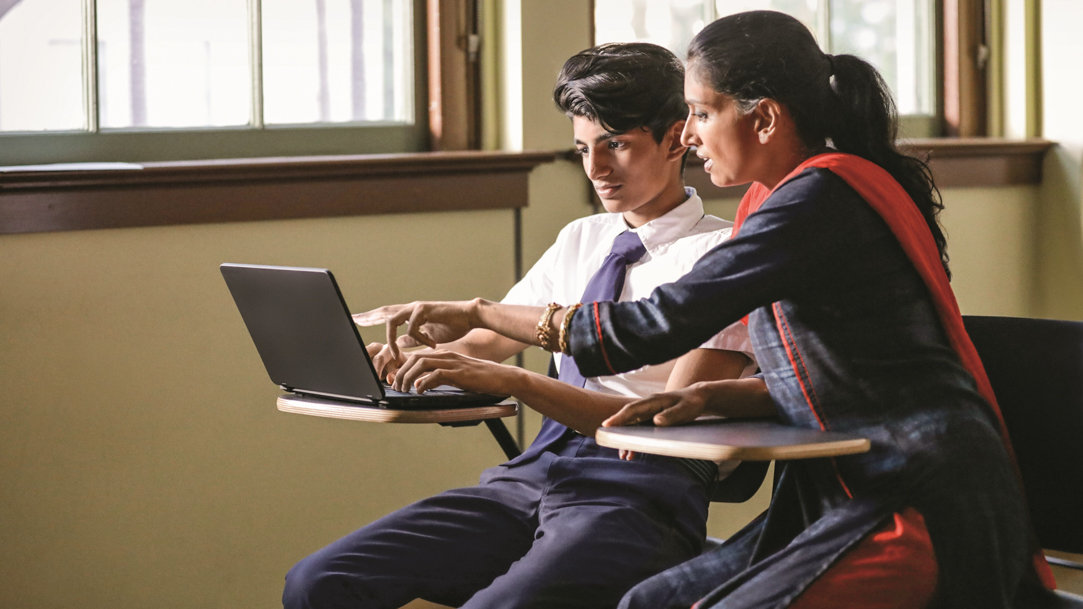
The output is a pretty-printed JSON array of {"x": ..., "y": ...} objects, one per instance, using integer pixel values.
[{"x": 310, "y": 346}]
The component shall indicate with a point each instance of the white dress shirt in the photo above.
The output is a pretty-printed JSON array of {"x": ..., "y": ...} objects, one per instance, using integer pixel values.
[{"x": 674, "y": 242}]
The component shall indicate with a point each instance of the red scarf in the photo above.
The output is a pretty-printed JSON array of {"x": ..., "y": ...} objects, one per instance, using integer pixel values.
[{"x": 887, "y": 197}]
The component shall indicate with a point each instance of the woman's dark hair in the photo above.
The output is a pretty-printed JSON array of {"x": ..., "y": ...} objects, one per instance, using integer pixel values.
[
  {"x": 841, "y": 98},
  {"x": 624, "y": 86}
]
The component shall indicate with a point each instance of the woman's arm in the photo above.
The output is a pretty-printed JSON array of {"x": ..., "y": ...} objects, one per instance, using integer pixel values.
[
  {"x": 432, "y": 323},
  {"x": 791, "y": 246}
]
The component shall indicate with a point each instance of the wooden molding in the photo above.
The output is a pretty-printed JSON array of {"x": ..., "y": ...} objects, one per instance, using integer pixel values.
[
  {"x": 955, "y": 162},
  {"x": 241, "y": 190},
  {"x": 982, "y": 162}
]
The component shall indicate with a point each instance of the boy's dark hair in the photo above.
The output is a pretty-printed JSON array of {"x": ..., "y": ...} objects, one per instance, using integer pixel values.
[{"x": 624, "y": 86}]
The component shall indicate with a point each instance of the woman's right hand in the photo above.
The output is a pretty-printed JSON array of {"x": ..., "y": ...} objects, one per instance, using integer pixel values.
[{"x": 428, "y": 323}]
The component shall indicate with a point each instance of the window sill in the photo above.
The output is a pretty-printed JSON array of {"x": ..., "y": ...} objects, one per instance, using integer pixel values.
[
  {"x": 238, "y": 190},
  {"x": 955, "y": 163}
]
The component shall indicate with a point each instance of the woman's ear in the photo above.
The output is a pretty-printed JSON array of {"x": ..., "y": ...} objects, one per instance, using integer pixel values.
[
  {"x": 767, "y": 119},
  {"x": 675, "y": 149}
]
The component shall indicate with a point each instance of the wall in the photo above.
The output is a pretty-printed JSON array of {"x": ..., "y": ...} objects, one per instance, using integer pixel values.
[
  {"x": 142, "y": 461},
  {"x": 1058, "y": 239},
  {"x": 1060, "y": 219}
]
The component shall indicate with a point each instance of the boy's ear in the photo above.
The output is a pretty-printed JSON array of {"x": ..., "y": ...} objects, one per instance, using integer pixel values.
[
  {"x": 673, "y": 140},
  {"x": 766, "y": 119}
]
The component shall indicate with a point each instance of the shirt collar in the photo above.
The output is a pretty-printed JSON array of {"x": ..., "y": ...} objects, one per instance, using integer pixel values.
[{"x": 676, "y": 223}]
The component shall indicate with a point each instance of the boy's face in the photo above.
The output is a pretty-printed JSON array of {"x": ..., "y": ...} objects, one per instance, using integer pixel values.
[{"x": 631, "y": 172}]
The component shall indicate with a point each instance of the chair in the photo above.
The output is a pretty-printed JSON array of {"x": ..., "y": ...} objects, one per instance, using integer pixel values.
[{"x": 1036, "y": 369}]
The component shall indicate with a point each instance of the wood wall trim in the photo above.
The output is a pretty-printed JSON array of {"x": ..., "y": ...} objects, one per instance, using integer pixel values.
[
  {"x": 982, "y": 162},
  {"x": 237, "y": 190},
  {"x": 955, "y": 163},
  {"x": 240, "y": 190}
]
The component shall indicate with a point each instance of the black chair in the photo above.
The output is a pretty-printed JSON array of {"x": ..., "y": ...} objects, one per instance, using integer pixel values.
[{"x": 1036, "y": 369}]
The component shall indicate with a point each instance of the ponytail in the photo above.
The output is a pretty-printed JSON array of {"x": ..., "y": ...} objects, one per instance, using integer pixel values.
[{"x": 862, "y": 120}]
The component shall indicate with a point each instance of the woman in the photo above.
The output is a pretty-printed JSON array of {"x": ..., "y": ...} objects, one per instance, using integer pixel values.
[{"x": 839, "y": 265}]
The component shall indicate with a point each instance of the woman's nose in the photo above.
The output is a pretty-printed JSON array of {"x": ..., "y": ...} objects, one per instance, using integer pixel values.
[{"x": 688, "y": 134}]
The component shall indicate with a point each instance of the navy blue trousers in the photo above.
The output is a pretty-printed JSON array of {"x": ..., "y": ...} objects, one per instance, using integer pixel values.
[{"x": 575, "y": 527}]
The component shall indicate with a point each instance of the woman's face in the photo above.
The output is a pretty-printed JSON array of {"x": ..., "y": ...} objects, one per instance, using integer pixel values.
[{"x": 724, "y": 137}]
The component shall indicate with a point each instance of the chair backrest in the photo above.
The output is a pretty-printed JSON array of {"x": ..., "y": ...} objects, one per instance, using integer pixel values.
[{"x": 1036, "y": 369}]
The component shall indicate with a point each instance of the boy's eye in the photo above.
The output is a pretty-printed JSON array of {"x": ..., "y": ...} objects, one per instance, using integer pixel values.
[
  {"x": 582, "y": 151},
  {"x": 615, "y": 144}
]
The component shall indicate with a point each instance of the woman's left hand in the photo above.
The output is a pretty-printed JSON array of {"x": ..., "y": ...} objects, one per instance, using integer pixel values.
[{"x": 668, "y": 408}]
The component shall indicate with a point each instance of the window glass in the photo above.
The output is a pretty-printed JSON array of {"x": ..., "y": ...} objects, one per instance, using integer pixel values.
[
  {"x": 670, "y": 23},
  {"x": 896, "y": 36},
  {"x": 169, "y": 64},
  {"x": 163, "y": 63},
  {"x": 41, "y": 50},
  {"x": 337, "y": 61}
]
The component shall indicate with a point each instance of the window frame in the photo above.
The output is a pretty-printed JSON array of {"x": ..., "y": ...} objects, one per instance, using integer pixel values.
[{"x": 243, "y": 141}]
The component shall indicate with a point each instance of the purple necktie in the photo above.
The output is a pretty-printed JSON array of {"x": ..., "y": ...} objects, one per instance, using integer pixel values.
[{"x": 606, "y": 284}]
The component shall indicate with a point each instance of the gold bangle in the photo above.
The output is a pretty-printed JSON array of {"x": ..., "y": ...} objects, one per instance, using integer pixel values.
[
  {"x": 543, "y": 333},
  {"x": 563, "y": 340}
]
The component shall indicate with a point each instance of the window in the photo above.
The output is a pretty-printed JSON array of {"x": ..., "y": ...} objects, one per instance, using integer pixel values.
[
  {"x": 122, "y": 79},
  {"x": 896, "y": 36}
]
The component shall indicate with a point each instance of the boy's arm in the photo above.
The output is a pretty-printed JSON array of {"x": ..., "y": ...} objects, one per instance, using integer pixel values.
[{"x": 580, "y": 409}]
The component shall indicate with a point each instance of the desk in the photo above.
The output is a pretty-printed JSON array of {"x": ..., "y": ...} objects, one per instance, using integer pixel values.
[
  {"x": 454, "y": 417},
  {"x": 721, "y": 439}
]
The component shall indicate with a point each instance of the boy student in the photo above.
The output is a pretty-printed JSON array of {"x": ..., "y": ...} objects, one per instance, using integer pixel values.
[{"x": 567, "y": 523}]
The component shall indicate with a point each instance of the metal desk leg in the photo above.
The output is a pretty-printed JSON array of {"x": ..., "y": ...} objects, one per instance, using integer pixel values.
[{"x": 503, "y": 437}]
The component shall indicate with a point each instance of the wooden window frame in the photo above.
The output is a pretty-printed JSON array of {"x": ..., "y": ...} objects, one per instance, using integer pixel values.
[{"x": 257, "y": 139}]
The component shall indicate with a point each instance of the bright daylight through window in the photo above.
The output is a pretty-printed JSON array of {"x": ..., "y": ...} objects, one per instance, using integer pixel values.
[
  {"x": 897, "y": 36},
  {"x": 122, "y": 65}
]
